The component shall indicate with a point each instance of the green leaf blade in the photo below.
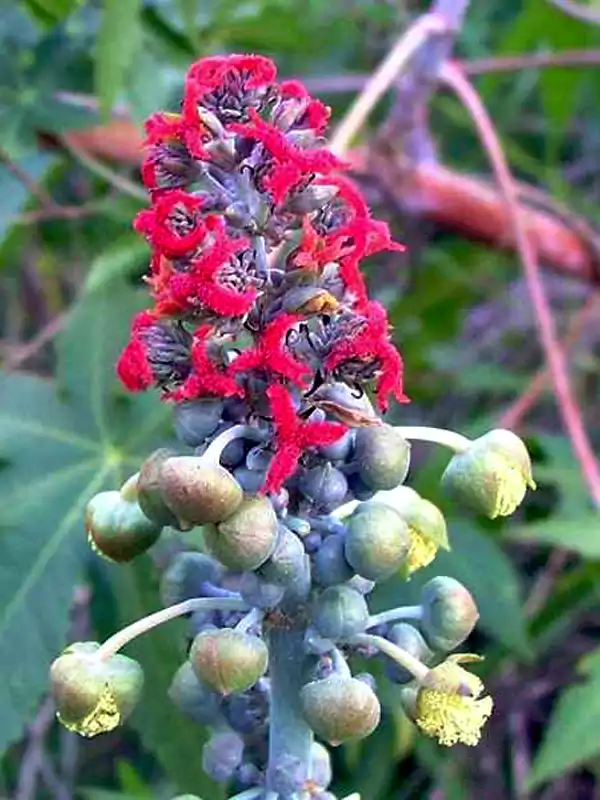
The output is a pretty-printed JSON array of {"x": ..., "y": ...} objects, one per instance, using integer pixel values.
[{"x": 118, "y": 42}]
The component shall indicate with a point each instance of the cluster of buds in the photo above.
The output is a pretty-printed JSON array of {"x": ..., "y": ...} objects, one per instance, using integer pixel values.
[{"x": 277, "y": 364}]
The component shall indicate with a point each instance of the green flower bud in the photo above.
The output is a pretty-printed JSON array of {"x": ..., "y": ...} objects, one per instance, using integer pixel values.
[
  {"x": 193, "y": 698},
  {"x": 410, "y": 639},
  {"x": 492, "y": 475},
  {"x": 228, "y": 661},
  {"x": 340, "y": 612},
  {"x": 340, "y": 709},
  {"x": 195, "y": 420},
  {"x": 185, "y": 575},
  {"x": 320, "y": 765},
  {"x": 246, "y": 539},
  {"x": 94, "y": 695},
  {"x": 449, "y": 613},
  {"x": 330, "y": 565},
  {"x": 377, "y": 540},
  {"x": 149, "y": 495},
  {"x": 359, "y": 488},
  {"x": 117, "y": 528},
  {"x": 426, "y": 523},
  {"x": 382, "y": 455},
  {"x": 325, "y": 487},
  {"x": 286, "y": 562},
  {"x": 198, "y": 490}
]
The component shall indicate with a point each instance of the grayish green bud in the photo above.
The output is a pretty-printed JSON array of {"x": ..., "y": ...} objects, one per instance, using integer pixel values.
[
  {"x": 247, "y": 538},
  {"x": 377, "y": 540},
  {"x": 193, "y": 698},
  {"x": 228, "y": 661},
  {"x": 340, "y": 709},
  {"x": 382, "y": 455},
  {"x": 340, "y": 612},
  {"x": 449, "y": 613},
  {"x": 197, "y": 490}
]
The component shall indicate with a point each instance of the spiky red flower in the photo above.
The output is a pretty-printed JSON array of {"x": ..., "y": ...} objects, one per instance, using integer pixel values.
[
  {"x": 271, "y": 356},
  {"x": 199, "y": 287},
  {"x": 220, "y": 72},
  {"x": 210, "y": 81},
  {"x": 290, "y": 165},
  {"x": 353, "y": 238},
  {"x": 174, "y": 225},
  {"x": 133, "y": 368},
  {"x": 293, "y": 437},
  {"x": 312, "y": 113},
  {"x": 207, "y": 378},
  {"x": 370, "y": 344}
]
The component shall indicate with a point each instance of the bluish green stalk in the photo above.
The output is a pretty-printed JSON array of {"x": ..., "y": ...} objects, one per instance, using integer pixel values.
[
  {"x": 392, "y": 614},
  {"x": 289, "y": 735},
  {"x": 122, "y": 637},
  {"x": 398, "y": 654},
  {"x": 248, "y": 794}
]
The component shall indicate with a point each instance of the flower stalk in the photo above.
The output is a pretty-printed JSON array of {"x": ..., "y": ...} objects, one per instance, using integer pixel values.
[{"x": 118, "y": 640}]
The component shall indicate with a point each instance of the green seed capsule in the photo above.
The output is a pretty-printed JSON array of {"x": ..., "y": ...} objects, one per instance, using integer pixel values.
[
  {"x": 94, "y": 695},
  {"x": 340, "y": 612},
  {"x": 377, "y": 540},
  {"x": 228, "y": 661},
  {"x": 247, "y": 538},
  {"x": 382, "y": 455},
  {"x": 340, "y": 709},
  {"x": 117, "y": 528},
  {"x": 198, "y": 491}
]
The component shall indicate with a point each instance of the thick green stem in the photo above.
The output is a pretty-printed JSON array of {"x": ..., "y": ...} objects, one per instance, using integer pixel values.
[{"x": 289, "y": 735}]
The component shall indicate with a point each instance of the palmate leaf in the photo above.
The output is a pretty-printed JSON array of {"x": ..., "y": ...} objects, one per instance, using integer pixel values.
[{"x": 57, "y": 448}]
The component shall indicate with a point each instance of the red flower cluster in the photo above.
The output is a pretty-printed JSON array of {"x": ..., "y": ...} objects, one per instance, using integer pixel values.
[{"x": 240, "y": 171}]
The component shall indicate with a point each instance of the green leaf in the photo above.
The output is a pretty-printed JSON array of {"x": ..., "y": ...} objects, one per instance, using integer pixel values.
[
  {"x": 121, "y": 259},
  {"x": 50, "y": 11},
  {"x": 581, "y": 533},
  {"x": 118, "y": 43},
  {"x": 55, "y": 453},
  {"x": 572, "y": 735},
  {"x": 14, "y": 196},
  {"x": 176, "y": 742}
]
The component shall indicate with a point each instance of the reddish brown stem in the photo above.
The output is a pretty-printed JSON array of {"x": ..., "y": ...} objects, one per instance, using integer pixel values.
[
  {"x": 569, "y": 409},
  {"x": 514, "y": 414}
]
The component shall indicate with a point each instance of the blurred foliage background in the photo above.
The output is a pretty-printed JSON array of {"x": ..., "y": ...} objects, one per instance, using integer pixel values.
[{"x": 75, "y": 78}]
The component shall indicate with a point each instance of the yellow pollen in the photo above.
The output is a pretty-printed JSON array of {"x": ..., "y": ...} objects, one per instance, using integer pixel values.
[
  {"x": 511, "y": 488},
  {"x": 452, "y": 718},
  {"x": 103, "y": 718},
  {"x": 421, "y": 552}
]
